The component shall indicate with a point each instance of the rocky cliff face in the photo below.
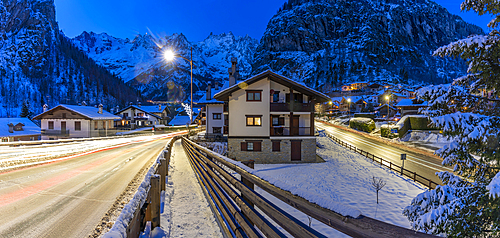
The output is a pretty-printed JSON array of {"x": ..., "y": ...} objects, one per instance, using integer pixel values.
[
  {"x": 40, "y": 65},
  {"x": 328, "y": 42},
  {"x": 140, "y": 61}
]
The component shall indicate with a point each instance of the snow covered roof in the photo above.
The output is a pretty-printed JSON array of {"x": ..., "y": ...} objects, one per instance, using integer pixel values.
[
  {"x": 337, "y": 99},
  {"x": 29, "y": 127},
  {"x": 179, "y": 121},
  {"x": 377, "y": 108},
  {"x": 154, "y": 109},
  {"x": 203, "y": 99},
  {"x": 354, "y": 99},
  {"x": 146, "y": 109},
  {"x": 409, "y": 103},
  {"x": 320, "y": 97},
  {"x": 86, "y": 111}
]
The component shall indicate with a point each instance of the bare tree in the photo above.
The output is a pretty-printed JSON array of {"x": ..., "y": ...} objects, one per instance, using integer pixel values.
[{"x": 378, "y": 184}]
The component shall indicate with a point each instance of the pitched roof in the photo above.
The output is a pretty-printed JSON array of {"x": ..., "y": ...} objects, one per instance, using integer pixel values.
[
  {"x": 85, "y": 111},
  {"x": 409, "y": 103},
  {"x": 179, "y": 121},
  {"x": 29, "y": 127},
  {"x": 154, "y": 109},
  {"x": 320, "y": 97},
  {"x": 146, "y": 109},
  {"x": 203, "y": 99}
]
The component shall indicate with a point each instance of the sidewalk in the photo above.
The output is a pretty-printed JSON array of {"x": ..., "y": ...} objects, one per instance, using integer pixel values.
[{"x": 186, "y": 212}]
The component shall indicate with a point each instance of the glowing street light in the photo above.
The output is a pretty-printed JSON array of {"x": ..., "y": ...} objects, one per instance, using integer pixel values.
[
  {"x": 169, "y": 55},
  {"x": 349, "y": 107},
  {"x": 388, "y": 108}
]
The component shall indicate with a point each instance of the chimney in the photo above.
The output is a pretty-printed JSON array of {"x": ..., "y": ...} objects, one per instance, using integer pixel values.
[
  {"x": 159, "y": 107},
  {"x": 139, "y": 104},
  {"x": 209, "y": 91},
  {"x": 233, "y": 72},
  {"x": 84, "y": 103},
  {"x": 11, "y": 127},
  {"x": 100, "y": 109},
  {"x": 45, "y": 107}
]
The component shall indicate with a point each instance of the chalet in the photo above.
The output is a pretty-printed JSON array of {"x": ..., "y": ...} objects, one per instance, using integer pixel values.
[
  {"x": 355, "y": 103},
  {"x": 410, "y": 106},
  {"x": 385, "y": 109},
  {"x": 271, "y": 119},
  {"x": 354, "y": 86},
  {"x": 141, "y": 116},
  {"x": 18, "y": 129},
  {"x": 72, "y": 121}
]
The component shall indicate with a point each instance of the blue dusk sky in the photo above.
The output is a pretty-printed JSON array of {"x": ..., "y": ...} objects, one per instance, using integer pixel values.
[{"x": 195, "y": 19}]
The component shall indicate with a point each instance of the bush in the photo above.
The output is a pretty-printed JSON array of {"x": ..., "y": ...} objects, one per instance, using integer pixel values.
[
  {"x": 385, "y": 131},
  {"x": 362, "y": 124}
]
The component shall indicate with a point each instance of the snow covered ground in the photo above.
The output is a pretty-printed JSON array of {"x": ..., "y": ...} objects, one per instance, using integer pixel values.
[{"x": 343, "y": 183}]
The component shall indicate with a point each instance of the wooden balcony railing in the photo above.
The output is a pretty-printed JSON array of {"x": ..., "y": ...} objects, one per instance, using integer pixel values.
[
  {"x": 285, "y": 107},
  {"x": 290, "y": 131},
  {"x": 55, "y": 132}
]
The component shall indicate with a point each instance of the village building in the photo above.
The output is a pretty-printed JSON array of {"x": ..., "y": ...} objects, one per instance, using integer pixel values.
[
  {"x": 410, "y": 106},
  {"x": 271, "y": 119},
  {"x": 72, "y": 121},
  {"x": 135, "y": 116},
  {"x": 18, "y": 129}
]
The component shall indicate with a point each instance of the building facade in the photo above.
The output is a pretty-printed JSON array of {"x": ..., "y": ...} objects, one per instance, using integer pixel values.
[
  {"x": 71, "y": 121},
  {"x": 18, "y": 129},
  {"x": 271, "y": 119}
]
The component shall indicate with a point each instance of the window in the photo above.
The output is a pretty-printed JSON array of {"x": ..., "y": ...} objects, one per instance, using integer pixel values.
[
  {"x": 251, "y": 146},
  {"x": 254, "y": 96},
  {"x": 276, "y": 96},
  {"x": 254, "y": 120},
  {"x": 125, "y": 115},
  {"x": 278, "y": 121},
  {"x": 64, "y": 115},
  {"x": 217, "y": 116},
  {"x": 217, "y": 130},
  {"x": 51, "y": 125},
  {"x": 96, "y": 124},
  {"x": 276, "y": 145},
  {"x": 78, "y": 125}
]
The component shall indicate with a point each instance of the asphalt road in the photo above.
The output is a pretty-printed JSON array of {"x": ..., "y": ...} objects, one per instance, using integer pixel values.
[
  {"x": 424, "y": 165},
  {"x": 69, "y": 198}
]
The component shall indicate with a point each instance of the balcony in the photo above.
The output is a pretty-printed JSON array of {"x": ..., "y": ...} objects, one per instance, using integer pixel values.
[
  {"x": 285, "y": 107},
  {"x": 48, "y": 132},
  {"x": 290, "y": 131}
]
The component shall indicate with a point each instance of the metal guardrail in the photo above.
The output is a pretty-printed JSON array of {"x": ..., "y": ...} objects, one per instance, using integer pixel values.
[
  {"x": 221, "y": 189},
  {"x": 392, "y": 166}
]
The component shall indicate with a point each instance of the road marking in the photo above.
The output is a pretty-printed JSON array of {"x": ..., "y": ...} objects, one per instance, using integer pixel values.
[{"x": 386, "y": 149}]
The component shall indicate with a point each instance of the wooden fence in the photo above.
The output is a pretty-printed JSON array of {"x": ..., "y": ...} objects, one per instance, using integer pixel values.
[
  {"x": 234, "y": 203},
  {"x": 150, "y": 210},
  {"x": 392, "y": 166}
]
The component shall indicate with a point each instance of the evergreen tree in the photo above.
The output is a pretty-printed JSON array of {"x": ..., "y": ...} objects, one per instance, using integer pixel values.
[
  {"x": 468, "y": 110},
  {"x": 25, "y": 110}
]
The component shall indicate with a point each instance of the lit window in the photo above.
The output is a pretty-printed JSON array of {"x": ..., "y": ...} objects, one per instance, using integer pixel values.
[{"x": 254, "y": 120}]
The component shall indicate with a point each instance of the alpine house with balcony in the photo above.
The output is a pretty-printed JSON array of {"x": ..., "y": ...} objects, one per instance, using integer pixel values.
[
  {"x": 72, "y": 121},
  {"x": 271, "y": 119}
]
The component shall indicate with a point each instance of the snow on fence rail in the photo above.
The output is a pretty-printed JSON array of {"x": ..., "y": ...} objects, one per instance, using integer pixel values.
[
  {"x": 410, "y": 174},
  {"x": 145, "y": 205},
  {"x": 237, "y": 215}
]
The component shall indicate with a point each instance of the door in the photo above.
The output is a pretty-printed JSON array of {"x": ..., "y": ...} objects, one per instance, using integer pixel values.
[
  {"x": 295, "y": 126},
  {"x": 296, "y": 150},
  {"x": 63, "y": 128}
]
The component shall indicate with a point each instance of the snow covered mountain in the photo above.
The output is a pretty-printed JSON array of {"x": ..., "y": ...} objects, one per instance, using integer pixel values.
[
  {"x": 140, "y": 61},
  {"x": 324, "y": 43},
  {"x": 39, "y": 65}
]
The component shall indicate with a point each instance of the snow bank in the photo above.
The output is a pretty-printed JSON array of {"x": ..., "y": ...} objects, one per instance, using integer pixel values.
[
  {"x": 401, "y": 122},
  {"x": 119, "y": 229},
  {"x": 362, "y": 119},
  {"x": 494, "y": 186}
]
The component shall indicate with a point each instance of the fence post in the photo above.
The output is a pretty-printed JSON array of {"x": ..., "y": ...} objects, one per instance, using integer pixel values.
[
  {"x": 163, "y": 173},
  {"x": 251, "y": 164},
  {"x": 155, "y": 201},
  {"x": 414, "y": 176},
  {"x": 390, "y": 165}
]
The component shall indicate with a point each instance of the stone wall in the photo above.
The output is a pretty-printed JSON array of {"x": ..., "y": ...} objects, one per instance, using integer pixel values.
[{"x": 267, "y": 156}]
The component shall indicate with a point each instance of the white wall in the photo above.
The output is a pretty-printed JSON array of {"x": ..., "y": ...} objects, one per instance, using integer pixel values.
[
  {"x": 239, "y": 108},
  {"x": 210, "y": 110},
  {"x": 70, "y": 125}
]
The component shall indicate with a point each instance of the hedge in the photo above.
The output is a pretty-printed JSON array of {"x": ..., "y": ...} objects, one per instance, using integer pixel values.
[
  {"x": 385, "y": 131},
  {"x": 362, "y": 124}
]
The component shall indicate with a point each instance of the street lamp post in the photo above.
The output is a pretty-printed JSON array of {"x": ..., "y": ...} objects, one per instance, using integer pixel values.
[
  {"x": 349, "y": 107},
  {"x": 170, "y": 55},
  {"x": 388, "y": 108}
]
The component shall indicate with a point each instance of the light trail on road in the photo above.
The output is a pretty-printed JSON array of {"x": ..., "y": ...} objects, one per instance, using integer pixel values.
[
  {"x": 424, "y": 165},
  {"x": 69, "y": 197}
]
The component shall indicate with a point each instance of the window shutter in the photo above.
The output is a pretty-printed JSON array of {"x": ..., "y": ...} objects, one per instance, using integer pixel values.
[
  {"x": 256, "y": 146},
  {"x": 243, "y": 146},
  {"x": 281, "y": 121}
]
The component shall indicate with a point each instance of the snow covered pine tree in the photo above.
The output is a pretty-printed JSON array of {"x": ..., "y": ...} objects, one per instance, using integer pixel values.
[{"x": 468, "y": 204}]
